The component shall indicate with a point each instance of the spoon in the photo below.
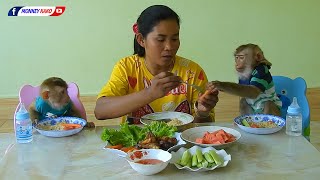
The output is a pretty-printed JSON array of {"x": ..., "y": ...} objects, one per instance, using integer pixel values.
[
  {"x": 198, "y": 88},
  {"x": 148, "y": 121}
]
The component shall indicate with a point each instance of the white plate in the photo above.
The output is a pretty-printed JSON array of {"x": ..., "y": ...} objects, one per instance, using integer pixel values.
[
  {"x": 190, "y": 135},
  {"x": 123, "y": 154},
  {"x": 260, "y": 118},
  {"x": 183, "y": 117},
  {"x": 63, "y": 133},
  {"x": 176, "y": 156}
]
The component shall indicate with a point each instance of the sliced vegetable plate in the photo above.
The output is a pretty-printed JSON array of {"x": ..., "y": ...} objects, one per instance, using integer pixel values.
[
  {"x": 200, "y": 159},
  {"x": 192, "y": 135},
  {"x": 129, "y": 136},
  {"x": 123, "y": 153}
]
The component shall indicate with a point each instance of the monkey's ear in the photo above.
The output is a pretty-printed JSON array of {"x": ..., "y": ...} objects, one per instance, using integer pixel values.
[
  {"x": 259, "y": 56},
  {"x": 45, "y": 95}
]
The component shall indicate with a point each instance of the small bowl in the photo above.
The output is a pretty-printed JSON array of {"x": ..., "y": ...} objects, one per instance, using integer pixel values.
[
  {"x": 148, "y": 169},
  {"x": 185, "y": 118},
  {"x": 280, "y": 122}
]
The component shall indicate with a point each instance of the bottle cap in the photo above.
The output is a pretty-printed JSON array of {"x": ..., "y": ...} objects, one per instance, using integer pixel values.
[
  {"x": 294, "y": 108},
  {"x": 22, "y": 113}
]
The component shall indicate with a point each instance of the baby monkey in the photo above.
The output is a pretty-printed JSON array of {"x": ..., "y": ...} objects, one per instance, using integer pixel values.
[
  {"x": 255, "y": 87},
  {"x": 53, "y": 101}
]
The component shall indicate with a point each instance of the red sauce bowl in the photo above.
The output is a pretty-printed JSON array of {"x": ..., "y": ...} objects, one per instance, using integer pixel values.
[{"x": 148, "y": 161}]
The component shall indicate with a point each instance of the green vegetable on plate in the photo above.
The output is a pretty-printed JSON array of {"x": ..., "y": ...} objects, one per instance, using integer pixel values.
[{"x": 245, "y": 123}]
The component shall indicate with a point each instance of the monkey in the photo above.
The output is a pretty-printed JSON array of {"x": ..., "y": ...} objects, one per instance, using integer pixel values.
[
  {"x": 255, "y": 87},
  {"x": 53, "y": 100}
]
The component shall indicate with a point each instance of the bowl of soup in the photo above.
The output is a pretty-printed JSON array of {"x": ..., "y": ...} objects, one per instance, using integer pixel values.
[{"x": 148, "y": 161}]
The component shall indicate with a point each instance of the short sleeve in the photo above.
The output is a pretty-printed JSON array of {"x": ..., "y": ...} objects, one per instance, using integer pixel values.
[
  {"x": 40, "y": 104},
  {"x": 117, "y": 84}
]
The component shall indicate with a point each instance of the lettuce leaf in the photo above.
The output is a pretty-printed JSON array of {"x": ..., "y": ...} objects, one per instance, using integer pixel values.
[
  {"x": 161, "y": 128},
  {"x": 130, "y": 135},
  {"x": 127, "y": 135}
]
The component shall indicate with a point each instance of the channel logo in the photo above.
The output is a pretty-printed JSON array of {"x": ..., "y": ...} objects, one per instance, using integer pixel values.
[{"x": 37, "y": 11}]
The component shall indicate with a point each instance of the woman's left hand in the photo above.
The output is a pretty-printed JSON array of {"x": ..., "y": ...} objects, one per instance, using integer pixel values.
[{"x": 208, "y": 100}]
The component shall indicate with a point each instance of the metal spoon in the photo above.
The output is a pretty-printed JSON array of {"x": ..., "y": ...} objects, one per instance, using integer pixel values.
[
  {"x": 148, "y": 121},
  {"x": 198, "y": 88}
]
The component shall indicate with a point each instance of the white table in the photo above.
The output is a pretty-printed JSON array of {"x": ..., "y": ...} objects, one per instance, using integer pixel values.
[{"x": 275, "y": 156}]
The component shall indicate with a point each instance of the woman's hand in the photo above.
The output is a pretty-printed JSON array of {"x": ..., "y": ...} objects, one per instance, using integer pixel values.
[
  {"x": 208, "y": 100},
  {"x": 162, "y": 84}
]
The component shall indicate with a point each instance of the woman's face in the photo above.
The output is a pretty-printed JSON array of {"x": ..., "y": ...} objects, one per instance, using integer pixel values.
[{"x": 162, "y": 44}]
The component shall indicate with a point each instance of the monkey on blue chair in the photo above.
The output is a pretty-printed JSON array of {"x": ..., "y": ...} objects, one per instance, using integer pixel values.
[{"x": 255, "y": 87}]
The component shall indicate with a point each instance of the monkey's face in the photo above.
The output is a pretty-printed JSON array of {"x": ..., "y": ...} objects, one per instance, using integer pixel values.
[
  {"x": 58, "y": 97},
  {"x": 244, "y": 64}
]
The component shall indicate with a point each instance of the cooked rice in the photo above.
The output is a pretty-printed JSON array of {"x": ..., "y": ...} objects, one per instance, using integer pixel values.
[
  {"x": 57, "y": 127},
  {"x": 264, "y": 124},
  {"x": 175, "y": 122}
]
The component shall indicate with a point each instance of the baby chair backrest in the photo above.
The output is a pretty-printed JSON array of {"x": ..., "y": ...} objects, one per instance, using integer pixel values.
[{"x": 286, "y": 89}]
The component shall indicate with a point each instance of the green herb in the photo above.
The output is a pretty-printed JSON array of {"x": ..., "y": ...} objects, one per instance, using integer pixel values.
[
  {"x": 130, "y": 135},
  {"x": 160, "y": 129},
  {"x": 127, "y": 135}
]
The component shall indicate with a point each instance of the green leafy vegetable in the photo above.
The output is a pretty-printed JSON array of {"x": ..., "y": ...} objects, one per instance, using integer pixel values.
[
  {"x": 160, "y": 129},
  {"x": 130, "y": 135},
  {"x": 127, "y": 135}
]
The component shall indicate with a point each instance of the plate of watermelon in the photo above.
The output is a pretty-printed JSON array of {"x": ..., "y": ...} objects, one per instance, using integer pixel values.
[{"x": 211, "y": 136}]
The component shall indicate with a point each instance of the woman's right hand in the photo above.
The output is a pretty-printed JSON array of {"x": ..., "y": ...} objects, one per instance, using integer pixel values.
[{"x": 162, "y": 84}]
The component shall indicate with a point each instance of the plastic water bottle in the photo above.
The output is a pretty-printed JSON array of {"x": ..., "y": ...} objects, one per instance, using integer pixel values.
[
  {"x": 294, "y": 119},
  {"x": 23, "y": 125}
]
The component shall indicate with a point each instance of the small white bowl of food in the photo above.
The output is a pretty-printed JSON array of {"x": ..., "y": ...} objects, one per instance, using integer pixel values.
[{"x": 148, "y": 161}]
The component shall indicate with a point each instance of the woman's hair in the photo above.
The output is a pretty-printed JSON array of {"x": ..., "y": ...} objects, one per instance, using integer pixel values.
[{"x": 149, "y": 18}]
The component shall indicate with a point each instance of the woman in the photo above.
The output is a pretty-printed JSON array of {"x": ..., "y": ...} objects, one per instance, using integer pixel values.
[{"x": 152, "y": 79}]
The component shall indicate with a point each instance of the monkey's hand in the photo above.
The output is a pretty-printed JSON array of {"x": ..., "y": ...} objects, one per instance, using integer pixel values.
[
  {"x": 90, "y": 125},
  {"x": 34, "y": 122},
  {"x": 215, "y": 84}
]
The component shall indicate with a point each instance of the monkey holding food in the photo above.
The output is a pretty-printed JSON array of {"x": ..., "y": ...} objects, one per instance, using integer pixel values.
[
  {"x": 256, "y": 87},
  {"x": 53, "y": 101}
]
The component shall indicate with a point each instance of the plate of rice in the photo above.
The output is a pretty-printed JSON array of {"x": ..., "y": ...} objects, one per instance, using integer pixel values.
[
  {"x": 61, "y": 126},
  {"x": 260, "y": 123},
  {"x": 178, "y": 119}
]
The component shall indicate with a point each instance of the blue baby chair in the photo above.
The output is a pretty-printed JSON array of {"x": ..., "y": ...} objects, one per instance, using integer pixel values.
[{"x": 286, "y": 89}]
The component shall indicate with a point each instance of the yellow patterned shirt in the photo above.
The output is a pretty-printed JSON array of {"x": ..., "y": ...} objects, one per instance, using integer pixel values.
[{"x": 131, "y": 75}]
